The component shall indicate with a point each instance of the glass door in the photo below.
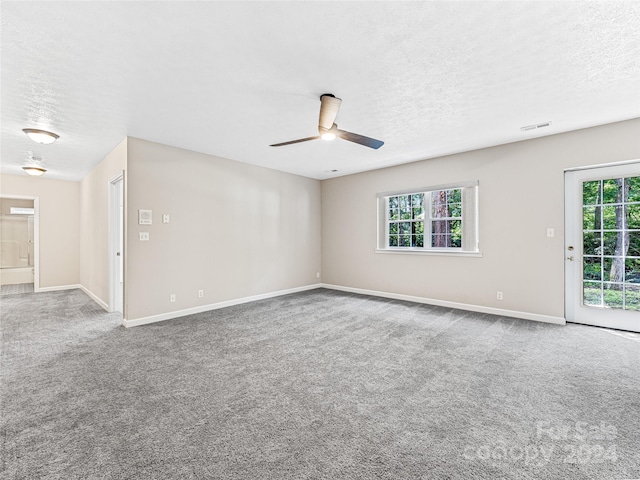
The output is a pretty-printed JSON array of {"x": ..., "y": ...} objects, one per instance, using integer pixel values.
[{"x": 602, "y": 246}]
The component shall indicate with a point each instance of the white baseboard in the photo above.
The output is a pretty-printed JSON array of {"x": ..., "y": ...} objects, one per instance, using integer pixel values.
[
  {"x": 57, "y": 288},
  {"x": 94, "y": 297},
  {"x": 396, "y": 296},
  {"x": 213, "y": 306},
  {"x": 444, "y": 303}
]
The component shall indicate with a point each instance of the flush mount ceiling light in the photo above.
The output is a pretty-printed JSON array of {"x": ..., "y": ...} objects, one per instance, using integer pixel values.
[
  {"x": 41, "y": 136},
  {"x": 34, "y": 171}
]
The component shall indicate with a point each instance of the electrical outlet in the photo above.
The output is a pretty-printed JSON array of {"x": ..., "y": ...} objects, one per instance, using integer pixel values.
[
  {"x": 200, "y": 293},
  {"x": 318, "y": 275},
  {"x": 165, "y": 218},
  {"x": 143, "y": 236},
  {"x": 499, "y": 296},
  {"x": 172, "y": 298}
]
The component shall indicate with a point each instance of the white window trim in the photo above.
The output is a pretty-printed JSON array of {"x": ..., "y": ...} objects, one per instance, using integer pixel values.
[
  {"x": 453, "y": 252},
  {"x": 470, "y": 226}
]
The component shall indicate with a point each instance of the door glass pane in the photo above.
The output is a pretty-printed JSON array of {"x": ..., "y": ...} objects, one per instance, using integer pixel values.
[
  {"x": 633, "y": 184},
  {"x": 613, "y": 269},
  {"x": 611, "y": 258},
  {"x": 609, "y": 215},
  {"x": 591, "y": 218},
  {"x": 592, "y": 268},
  {"x": 633, "y": 216},
  {"x": 634, "y": 244},
  {"x": 609, "y": 191},
  {"x": 610, "y": 242},
  {"x": 591, "y": 193},
  {"x": 632, "y": 270},
  {"x": 592, "y": 294},
  {"x": 613, "y": 293},
  {"x": 591, "y": 243},
  {"x": 632, "y": 297}
]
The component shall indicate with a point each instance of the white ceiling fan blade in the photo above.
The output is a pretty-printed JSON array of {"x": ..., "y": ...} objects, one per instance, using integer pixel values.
[{"x": 328, "y": 110}]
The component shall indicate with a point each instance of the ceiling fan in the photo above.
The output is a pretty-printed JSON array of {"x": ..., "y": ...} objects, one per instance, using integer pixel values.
[{"x": 328, "y": 130}]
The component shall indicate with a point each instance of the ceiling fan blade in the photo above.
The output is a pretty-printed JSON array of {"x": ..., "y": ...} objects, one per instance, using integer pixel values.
[
  {"x": 361, "y": 139},
  {"x": 294, "y": 141},
  {"x": 329, "y": 107}
]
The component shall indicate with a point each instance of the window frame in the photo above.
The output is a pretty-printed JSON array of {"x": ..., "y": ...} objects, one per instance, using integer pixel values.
[{"x": 470, "y": 245}]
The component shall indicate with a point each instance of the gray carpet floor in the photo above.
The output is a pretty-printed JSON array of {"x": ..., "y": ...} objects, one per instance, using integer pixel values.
[
  {"x": 16, "y": 288},
  {"x": 316, "y": 385}
]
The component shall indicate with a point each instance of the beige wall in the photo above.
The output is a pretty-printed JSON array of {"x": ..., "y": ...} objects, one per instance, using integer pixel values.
[
  {"x": 94, "y": 222},
  {"x": 235, "y": 230},
  {"x": 521, "y": 194},
  {"x": 59, "y": 225},
  {"x": 7, "y": 203}
]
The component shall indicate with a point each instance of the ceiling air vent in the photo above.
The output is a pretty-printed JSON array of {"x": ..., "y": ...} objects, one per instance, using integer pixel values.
[{"x": 535, "y": 127}]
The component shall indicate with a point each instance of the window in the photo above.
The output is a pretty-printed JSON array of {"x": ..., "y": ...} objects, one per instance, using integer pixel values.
[
  {"x": 406, "y": 220},
  {"x": 434, "y": 219}
]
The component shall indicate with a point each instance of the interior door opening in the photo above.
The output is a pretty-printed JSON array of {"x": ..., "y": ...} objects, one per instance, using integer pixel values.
[
  {"x": 19, "y": 245},
  {"x": 116, "y": 244}
]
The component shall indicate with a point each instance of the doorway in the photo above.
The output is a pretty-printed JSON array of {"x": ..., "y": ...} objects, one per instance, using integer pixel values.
[
  {"x": 602, "y": 246},
  {"x": 116, "y": 243},
  {"x": 19, "y": 244}
]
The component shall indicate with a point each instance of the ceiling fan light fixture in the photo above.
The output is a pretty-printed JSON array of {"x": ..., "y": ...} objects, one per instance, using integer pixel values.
[
  {"x": 40, "y": 136},
  {"x": 34, "y": 171},
  {"x": 328, "y": 136}
]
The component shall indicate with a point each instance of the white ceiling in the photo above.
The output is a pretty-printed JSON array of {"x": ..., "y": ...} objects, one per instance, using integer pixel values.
[{"x": 230, "y": 78}]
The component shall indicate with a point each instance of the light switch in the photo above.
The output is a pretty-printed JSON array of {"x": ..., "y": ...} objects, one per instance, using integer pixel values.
[
  {"x": 551, "y": 232},
  {"x": 165, "y": 218},
  {"x": 143, "y": 236}
]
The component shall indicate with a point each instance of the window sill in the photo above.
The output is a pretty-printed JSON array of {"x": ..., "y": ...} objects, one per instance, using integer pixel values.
[{"x": 412, "y": 251}]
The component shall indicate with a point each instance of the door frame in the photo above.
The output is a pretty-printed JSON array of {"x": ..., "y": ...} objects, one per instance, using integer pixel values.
[
  {"x": 114, "y": 239},
  {"x": 573, "y": 200},
  {"x": 36, "y": 235}
]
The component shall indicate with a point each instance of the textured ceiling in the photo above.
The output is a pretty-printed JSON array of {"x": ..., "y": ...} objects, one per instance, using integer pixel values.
[{"x": 230, "y": 78}]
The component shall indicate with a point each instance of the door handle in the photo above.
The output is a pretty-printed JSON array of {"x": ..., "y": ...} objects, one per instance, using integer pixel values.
[
  {"x": 570, "y": 259},
  {"x": 117, "y": 254}
]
